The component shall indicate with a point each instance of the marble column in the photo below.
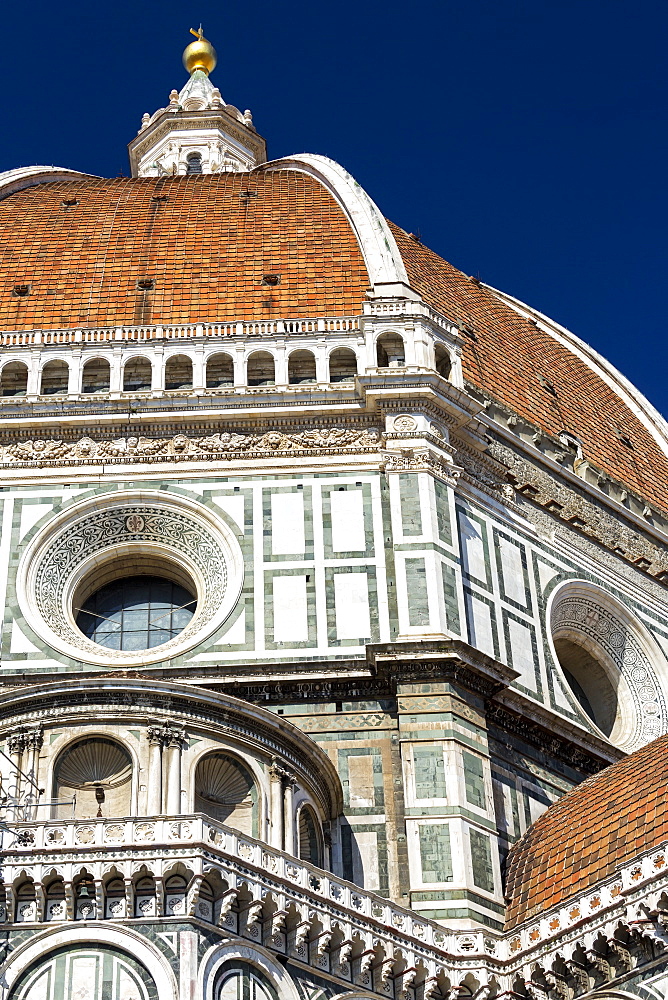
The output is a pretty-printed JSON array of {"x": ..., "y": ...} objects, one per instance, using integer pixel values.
[
  {"x": 154, "y": 781},
  {"x": 289, "y": 814},
  {"x": 276, "y": 774},
  {"x": 174, "y": 744}
]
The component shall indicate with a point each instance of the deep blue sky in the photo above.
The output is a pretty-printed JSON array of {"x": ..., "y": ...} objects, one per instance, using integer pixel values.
[{"x": 524, "y": 139}]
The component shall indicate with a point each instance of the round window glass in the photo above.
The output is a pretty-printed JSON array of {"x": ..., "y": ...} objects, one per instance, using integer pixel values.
[{"x": 135, "y": 613}]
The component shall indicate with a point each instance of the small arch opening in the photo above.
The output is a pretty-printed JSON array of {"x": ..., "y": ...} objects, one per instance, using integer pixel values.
[
  {"x": 55, "y": 378},
  {"x": 309, "y": 837},
  {"x": 342, "y": 365},
  {"x": 194, "y": 163},
  {"x": 14, "y": 379},
  {"x": 96, "y": 376},
  {"x": 26, "y": 902},
  {"x": 219, "y": 371},
  {"x": 225, "y": 791},
  {"x": 390, "y": 351},
  {"x": 301, "y": 367},
  {"x": 442, "y": 361},
  {"x": 179, "y": 372},
  {"x": 114, "y": 898},
  {"x": 137, "y": 375},
  {"x": 261, "y": 369},
  {"x": 145, "y": 902}
]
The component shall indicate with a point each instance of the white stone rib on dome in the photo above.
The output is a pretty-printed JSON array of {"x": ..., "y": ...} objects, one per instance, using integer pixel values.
[
  {"x": 15, "y": 180},
  {"x": 378, "y": 246},
  {"x": 632, "y": 398}
]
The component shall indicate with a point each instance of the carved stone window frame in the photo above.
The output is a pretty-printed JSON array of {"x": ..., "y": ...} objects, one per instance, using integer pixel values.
[
  {"x": 634, "y": 663},
  {"x": 137, "y": 527}
]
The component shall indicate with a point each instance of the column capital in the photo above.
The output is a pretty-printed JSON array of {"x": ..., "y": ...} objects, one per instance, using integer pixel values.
[
  {"x": 16, "y": 742},
  {"x": 167, "y": 734}
]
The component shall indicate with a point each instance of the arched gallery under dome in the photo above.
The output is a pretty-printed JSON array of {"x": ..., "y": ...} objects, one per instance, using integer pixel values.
[{"x": 335, "y": 635}]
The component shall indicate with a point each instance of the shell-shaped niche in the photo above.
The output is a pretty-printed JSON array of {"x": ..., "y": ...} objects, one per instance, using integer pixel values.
[
  {"x": 225, "y": 791},
  {"x": 93, "y": 778}
]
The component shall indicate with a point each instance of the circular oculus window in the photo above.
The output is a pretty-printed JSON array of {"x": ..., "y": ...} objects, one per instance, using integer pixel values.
[{"x": 135, "y": 578}]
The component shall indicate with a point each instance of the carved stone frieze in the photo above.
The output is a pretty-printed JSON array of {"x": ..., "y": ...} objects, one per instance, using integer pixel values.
[{"x": 220, "y": 444}]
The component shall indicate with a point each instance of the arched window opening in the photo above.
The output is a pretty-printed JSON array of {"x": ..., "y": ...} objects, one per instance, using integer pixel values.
[
  {"x": 14, "y": 379},
  {"x": 85, "y": 970},
  {"x": 260, "y": 369},
  {"x": 589, "y": 683},
  {"x": 238, "y": 981},
  {"x": 342, "y": 365},
  {"x": 96, "y": 376},
  {"x": 175, "y": 896},
  {"x": 442, "y": 361},
  {"x": 390, "y": 351},
  {"x": 26, "y": 902},
  {"x": 309, "y": 839},
  {"x": 93, "y": 778},
  {"x": 84, "y": 892},
  {"x": 114, "y": 896},
  {"x": 55, "y": 900},
  {"x": 225, "y": 791},
  {"x": 179, "y": 372},
  {"x": 145, "y": 897},
  {"x": 219, "y": 371},
  {"x": 194, "y": 163},
  {"x": 301, "y": 367},
  {"x": 137, "y": 375},
  {"x": 55, "y": 378}
]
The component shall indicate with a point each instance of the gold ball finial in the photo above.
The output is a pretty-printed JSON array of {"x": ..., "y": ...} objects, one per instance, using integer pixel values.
[{"x": 200, "y": 54}]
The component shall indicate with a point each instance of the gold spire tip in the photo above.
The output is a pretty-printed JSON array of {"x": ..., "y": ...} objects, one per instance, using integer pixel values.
[{"x": 200, "y": 54}]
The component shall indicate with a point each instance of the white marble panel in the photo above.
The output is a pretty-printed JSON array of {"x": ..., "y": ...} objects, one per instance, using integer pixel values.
[
  {"x": 351, "y": 599},
  {"x": 31, "y": 513},
  {"x": 290, "y": 609},
  {"x": 287, "y": 524},
  {"x": 513, "y": 571},
  {"x": 480, "y": 625},
  {"x": 521, "y": 648},
  {"x": 347, "y": 511},
  {"x": 473, "y": 550}
]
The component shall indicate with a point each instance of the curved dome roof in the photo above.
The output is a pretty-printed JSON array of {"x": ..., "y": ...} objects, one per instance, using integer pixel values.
[
  {"x": 83, "y": 245},
  {"x": 583, "y": 838}
]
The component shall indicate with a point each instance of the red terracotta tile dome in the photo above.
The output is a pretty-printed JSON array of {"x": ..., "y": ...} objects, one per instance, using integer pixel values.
[
  {"x": 584, "y": 837},
  {"x": 132, "y": 252}
]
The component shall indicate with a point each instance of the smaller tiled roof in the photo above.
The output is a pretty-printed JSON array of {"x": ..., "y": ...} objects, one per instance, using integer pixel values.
[{"x": 583, "y": 838}]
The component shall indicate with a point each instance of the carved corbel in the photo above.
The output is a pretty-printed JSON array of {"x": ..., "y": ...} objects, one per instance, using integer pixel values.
[
  {"x": 362, "y": 968},
  {"x": 340, "y": 960},
  {"x": 622, "y": 955},
  {"x": 298, "y": 938},
  {"x": 249, "y": 925}
]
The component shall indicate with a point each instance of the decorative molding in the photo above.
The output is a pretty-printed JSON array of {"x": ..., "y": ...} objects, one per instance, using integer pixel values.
[{"x": 182, "y": 447}]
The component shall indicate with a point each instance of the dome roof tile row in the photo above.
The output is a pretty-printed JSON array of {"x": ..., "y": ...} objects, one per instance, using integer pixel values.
[{"x": 206, "y": 243}]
